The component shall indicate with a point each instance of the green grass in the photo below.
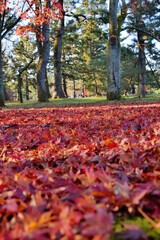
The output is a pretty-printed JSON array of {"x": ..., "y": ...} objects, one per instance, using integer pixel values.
[
  {"x": 148, "y": 97},
  {"x": 56, "y": 102},
  {"x": 80, "y": 101},
  {"x": 143, "y": 224}
]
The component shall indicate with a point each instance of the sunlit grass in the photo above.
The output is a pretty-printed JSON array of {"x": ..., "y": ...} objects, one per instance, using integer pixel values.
[
  {"x": 80, "y": 101},
  {"x": 148, "y": 96},
  {"x": 56, "y": 102}
]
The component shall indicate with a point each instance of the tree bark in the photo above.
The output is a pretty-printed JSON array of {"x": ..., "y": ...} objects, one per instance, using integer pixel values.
[
  {"x": 64, "y": 86},
  {"x": 2, "y": 95},
  {"x": 74, "y": 89},
  {"x": 96, "y": 85},
  {"x": 27, "y": 88},
  {"x": 142, "y": 62},
  {"x": 57, "y": 57},
  {"x": 44, "y": 50},
  {"x": 113, "y": 54},
  {"x": 20, "y": 97},
  {"x": 41, "y": 68},
  {"x": 47, "y": 86}
]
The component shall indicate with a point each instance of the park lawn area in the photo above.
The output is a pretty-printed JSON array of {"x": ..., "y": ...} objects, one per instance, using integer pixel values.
[
  {"x": 80, "y": 170},
  {"x": 81, "y": 101}
]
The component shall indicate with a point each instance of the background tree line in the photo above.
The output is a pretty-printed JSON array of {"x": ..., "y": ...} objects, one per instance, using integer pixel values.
[{"x": 78, "y": 45}]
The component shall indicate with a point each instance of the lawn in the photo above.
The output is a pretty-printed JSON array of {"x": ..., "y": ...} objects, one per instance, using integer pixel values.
[
  {"x": 83, "y": 169},
  {"x": 81, "y": 101}
]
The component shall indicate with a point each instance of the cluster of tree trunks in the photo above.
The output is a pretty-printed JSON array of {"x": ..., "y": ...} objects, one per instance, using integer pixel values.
[{"x": 43, "y": 44}]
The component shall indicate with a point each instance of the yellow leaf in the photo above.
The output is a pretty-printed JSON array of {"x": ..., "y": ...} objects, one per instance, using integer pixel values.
[
  {"x": 33, "y": 225},
  {"x": 73, "y": 131},
  {"x": 45, "y": 217},
  {"x": 52, "y": 131},
  {"x": 107, "y": 141}
]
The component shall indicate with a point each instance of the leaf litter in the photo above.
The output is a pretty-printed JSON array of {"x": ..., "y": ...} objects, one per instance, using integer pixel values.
[{"x": 69, "y": 172}]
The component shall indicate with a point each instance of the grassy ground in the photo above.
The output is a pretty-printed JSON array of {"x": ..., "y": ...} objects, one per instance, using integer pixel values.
[{"x": 79, "y": 101}]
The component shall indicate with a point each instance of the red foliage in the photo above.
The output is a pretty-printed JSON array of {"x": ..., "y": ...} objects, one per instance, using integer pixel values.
[
  {"x": 68, "y": 171},
  {"x": 33, "y": 13}
]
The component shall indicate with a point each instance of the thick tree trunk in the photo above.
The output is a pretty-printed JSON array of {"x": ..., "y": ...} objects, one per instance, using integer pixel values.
[
  {"x": 2, "y": 95},
  {"x": 42, "y": 94},
  {"x": 42, "y": 63},
  {"x": 114, "y": 79},
  {"x": 113, "y": 54},
  {"x": 57, "y": 57},
  {"x": 44, "y": 50},
  {"x": 47, "y": 86},
  {"x": 142, "y": 63}
]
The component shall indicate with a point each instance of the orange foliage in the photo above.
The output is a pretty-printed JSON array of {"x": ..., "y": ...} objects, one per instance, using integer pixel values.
[{"x": 31, "y": 16}]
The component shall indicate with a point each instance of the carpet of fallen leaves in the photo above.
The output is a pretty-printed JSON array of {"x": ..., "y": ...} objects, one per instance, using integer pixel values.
[{"x": 68, "y": 172}]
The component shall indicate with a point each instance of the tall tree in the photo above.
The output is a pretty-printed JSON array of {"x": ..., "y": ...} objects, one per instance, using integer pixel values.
[
  {"x": 142, "y": 62},
  {"x": 84, "y": 46},
  {"x": 57, "y": 56},
  {"x": 129, "y": 70},
  {"x": 114, "y": 50},
  {"x": 44, "y": 12},
  {"x": 94, "y": 38},
  {"x": 143, "y": 20},
  {"x": 42, "y": 37},
  {"x": 8, "y": 20},
  {"x": 11, "y": 15},
  {"x": 24, "y": 54}
]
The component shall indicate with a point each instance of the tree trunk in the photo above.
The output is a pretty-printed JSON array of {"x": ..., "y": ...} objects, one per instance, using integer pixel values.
[
  {"x": 27, "y": 88},
  {"x": 47, "y": 86},
  {"x": 44, "y": 49},
  {"x": 113, "y": 54},
  {"x": 41, "y": 69},
  {"x": 64, "y": 86},
  {"x": 2, "y": 95},
  {"x": 74, "y": 89},
  {"x": 57, "y": 57},
  {"x": 96, "y": 85},
  {"x": 83, "y": 89},
  {"x": 7, "y": 98},
  {"x": 142, "y": 62},
  {"x": 139, "y": 94},
  {"x": 20, "y": 97}
]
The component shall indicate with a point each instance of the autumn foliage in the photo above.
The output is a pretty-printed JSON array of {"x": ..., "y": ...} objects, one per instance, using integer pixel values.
[
  {"x": 69, "y": 172},
  {"x": 33, "y": 13}
]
